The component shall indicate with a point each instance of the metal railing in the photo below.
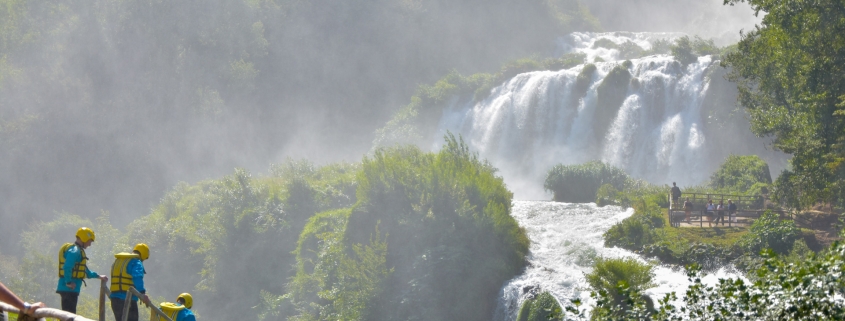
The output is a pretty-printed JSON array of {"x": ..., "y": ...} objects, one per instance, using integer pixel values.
[
  {"x": 748, "y": 207},
  {"x": 700, "y": 199},
  {"x": 737, "y": 218}
]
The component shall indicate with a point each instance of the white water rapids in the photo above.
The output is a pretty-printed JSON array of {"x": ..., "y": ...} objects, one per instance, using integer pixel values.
[{"x": 565, "y": 240}]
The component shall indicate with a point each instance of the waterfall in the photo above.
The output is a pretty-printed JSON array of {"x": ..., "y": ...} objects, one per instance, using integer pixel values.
[
  {"x": 565, "y": 240},
  {"x": 650, "y": 116}
]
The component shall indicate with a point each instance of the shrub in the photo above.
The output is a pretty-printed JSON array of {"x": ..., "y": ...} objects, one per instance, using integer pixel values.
[
  {"x": 566, "y": 61},
  {"x": 660, "y": 46},
  {"x": 543, "y": 307},
  {"x": 605, "y": 43},
  {"x": 632, "y": 233},
  {"x": 637, "y": 230},
  {"x": 617, "y": 279},
  {"x": 607, "y": 195},
  {"x": 683, "y": 52},
  {"x": 630, "y": 50},
  {"x": 687, "y": 51},
  {"x": 580, "y": 183},
  {"x": 608, "y": 273},
  {"x": 769, "y": 232}
]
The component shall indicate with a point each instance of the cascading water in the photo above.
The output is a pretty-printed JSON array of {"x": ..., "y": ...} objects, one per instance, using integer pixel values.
[
  {"x": 649, "y": 115},
  {"x": 646, "y": 116},
  {"x": 565, "y": 240}
]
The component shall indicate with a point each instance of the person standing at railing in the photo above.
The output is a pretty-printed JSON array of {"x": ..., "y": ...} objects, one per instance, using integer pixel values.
[
  {"x": 711, "y": 211},
  {"x": 676, "y": 195},
  {"x": 181, "y": 310},
  {"x": 24, "y": 307},
  {"x": 731, "y": 211},
  {"x": 720, "y": 213},
  {"x": 73, "y": 269},
  {"x": 128, "y": 271},
  {"x": 687, "y": 210}
]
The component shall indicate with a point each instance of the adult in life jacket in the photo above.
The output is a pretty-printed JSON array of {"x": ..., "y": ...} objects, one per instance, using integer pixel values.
[
  {"x": 128, "y": 271},
  {"x": 181, "y": 310},
  {"x": 73, "y": 269}
]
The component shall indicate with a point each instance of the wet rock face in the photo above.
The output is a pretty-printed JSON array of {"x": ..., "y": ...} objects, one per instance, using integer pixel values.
[{"x": 610, "y": 95}]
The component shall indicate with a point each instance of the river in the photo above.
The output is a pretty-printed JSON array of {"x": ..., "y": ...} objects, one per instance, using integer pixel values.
[{"x": 565, "y": 240}]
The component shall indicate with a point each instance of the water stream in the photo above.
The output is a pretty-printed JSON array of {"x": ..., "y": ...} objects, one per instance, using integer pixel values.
[{"x": 565, "y": 240}]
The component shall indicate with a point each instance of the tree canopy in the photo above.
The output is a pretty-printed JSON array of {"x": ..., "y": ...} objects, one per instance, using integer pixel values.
[
  {"x": 740, "y": 173},
  {"x": 789, "y": 73}
]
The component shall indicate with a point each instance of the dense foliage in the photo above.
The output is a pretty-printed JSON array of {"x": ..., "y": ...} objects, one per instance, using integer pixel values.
[
  {"x": 580, "y": 183},
  {"x": 450, "y": 240},
  {"x": 779, "y": 290},
  {"x": 232, "y": 237},
  {"x": 740, "y": 173},
  {"x": 769, "y": 232},
  {"x": 639, "y": 229},
  {"x": 789, "y": 72},
  {"x": 404, "y": 235}
]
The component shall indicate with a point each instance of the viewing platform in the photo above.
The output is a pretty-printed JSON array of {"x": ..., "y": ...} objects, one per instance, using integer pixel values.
[{"x": 749, "y": 208}]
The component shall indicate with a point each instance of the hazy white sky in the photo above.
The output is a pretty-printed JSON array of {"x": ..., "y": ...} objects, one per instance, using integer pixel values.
[{"x": 705, "y": 18}]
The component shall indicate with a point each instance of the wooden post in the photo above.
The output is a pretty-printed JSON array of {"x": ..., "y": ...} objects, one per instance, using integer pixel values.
[
  {"x": 126, "y": 305},
  {"x": 103, "y": 290},
  {"x": 154, "y": 311}
]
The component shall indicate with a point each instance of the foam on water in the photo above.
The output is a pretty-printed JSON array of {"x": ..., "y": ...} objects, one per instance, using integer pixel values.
[{"x": 565, "y": 240}]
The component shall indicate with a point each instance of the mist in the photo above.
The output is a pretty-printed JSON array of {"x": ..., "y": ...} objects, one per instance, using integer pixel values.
[
  {"x": 709, "y": 19},
  {"x": 105, "y": 105}
]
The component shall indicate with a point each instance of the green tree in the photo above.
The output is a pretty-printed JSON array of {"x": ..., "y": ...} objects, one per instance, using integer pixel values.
[
  {"x": 431, "y": 237},
  {"x": 740, "y": 173},
  {"x": 789, "y": 74}
]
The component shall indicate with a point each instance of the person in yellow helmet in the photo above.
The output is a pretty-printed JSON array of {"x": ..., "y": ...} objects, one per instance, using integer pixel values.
[
  {"x": 181, "y": 310},
  {"x": 73, "y": 268},
  {"x": 128, "y": 271}
]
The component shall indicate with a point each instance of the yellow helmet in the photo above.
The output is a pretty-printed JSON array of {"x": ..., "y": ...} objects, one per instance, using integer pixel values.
[
  {"x": 189, "y": 300},
  {"x": 85, "y": 234},
  {"x": 142, "y": 250}
]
